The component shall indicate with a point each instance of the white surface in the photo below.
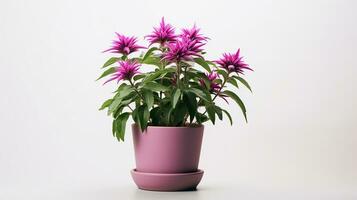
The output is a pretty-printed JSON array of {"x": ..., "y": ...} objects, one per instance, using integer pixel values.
[
  {"x": 301, "y": 139},
  {"x": 204, "y": 193}
]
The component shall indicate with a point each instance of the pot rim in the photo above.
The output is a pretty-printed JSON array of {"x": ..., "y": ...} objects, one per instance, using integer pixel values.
[{"x": 180, "y": 127}]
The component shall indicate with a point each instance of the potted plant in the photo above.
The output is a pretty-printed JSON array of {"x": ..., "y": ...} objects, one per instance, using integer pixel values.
[{"x": 169, "y": 102}]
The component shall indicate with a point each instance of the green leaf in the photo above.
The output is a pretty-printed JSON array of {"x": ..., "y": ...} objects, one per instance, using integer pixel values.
[
  {"x": 155, "y": 115},
  {"x": 179, "y": 113},
  {"x": 152, "y": 61},
  {"x": 143, "y": 116},
  {"x": 243, "y": 81},
  {"x": 175, "y": 97},
  {"x": 139, "y": 76},
  {"x": 107, "y": 72},
  {"x": 149, "y": 52},
  {"x": 233, "y": 82},
  {"x": 106, "y": 104},
  {"x": 121, "y": 86},
  {"x": 210, "y": 63},
  {"x": 157, "y": 74},
  {"x": 124, "y": 91},
  {"x": 166, "y": 114},
  {"x": 223, "y": 73},
  {"x": 205, "y": 79},
  {"x": 199, "y": 93},
  {"x": 114, "y": 105},
  {"x": 203, "y": 63},
  {"x": 114, "y": 127},
  {"x": 153, "y": 86},
  {"x": 211, "y": 113},
  {"x": 118, "y": 111},
  {"x": 201, "y": 118},
  {"x": 149, "y": 98},
  {"x": 238, "y": 101},
  {"x": 111, "y": 61},
  {"x": 120, "y": 125},
  {"x": 191, "y": 102},
  {"x": 218, "y": 111},
  {"x": 228, "y": 115}
]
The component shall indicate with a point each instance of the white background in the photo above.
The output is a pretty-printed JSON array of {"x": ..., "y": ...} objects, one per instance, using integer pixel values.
[{"x": 300, "y": 141}]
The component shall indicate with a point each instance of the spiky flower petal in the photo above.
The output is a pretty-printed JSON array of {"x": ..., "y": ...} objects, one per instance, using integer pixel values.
[
  {"x": 124, "y": 45},
  {"x": 233, "y": 63},
  {"x": 125, "y": 71},
  {"x": 193, "y": 34},
  {"x": 183, "y": 49},
  {"x": 163, "y": 34}
]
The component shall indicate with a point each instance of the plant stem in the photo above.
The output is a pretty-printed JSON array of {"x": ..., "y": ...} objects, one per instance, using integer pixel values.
[
  {"x": 178, "y": 72},
  {"x": 220, "y": 89},
  {"x": 136, "y": 89},
  {"x": 218, "y": 93},
  {"x": 130, "y": 108},
  {"x": 161, "y": 81}
]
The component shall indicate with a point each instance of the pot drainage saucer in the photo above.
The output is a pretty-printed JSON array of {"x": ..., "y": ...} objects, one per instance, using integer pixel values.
[{"x": 167, "y": 182}]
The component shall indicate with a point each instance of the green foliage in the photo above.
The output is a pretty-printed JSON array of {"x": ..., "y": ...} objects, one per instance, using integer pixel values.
[
  {"x": 148, "y": 98},
  {"x": 111, "y": 61},
  {"x": 243, "y": 81},
  {"x": 172, "y": 94},
  {"x": 119, "y": 126},
  {"x": 233, "y": 82},
  {"x": 156, "y": 87},
  {"x": 203, "y": 63},
  {"x": 106, "y": 104},
  {"x": 191, "y": 102},
  {"x": 107, "y": 72},
  {"x": 175, "y": 97},
  {"x": 149, "y": 53},
  {"x": 238, "y": 101}
]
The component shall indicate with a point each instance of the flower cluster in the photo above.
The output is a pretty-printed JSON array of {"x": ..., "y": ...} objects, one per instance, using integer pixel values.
[
  {"x": 125, "y": 71},
  {"x": 124, "y": 45},
  {"x": 233, "y": 63},
  {"x": 163, "y": 34},
  {"x": 182, "y": 47},
  {"x": 186, "y": 47},
  {"x": 193, "y": 34}
]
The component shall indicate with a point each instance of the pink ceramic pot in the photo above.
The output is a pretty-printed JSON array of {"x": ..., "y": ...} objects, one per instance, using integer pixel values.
[{"x": 167, "y": 149}]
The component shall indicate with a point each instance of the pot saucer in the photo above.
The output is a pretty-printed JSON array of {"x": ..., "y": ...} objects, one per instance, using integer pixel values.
[{"x": 167, "y": 182}]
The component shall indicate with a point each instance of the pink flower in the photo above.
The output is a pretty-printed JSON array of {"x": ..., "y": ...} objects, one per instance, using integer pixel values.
[
  {"x": 213, "y": 85},
  {"x": 193, "y": 34},
  {"x": 163, "y": 34},
  {"x": 125, "y": 71},
  {"x": 186, "y": 47},
  {"x": 233, "y": 63},
  {"x": 183, "y": 49},
  {"x": 124, "y": 45}
]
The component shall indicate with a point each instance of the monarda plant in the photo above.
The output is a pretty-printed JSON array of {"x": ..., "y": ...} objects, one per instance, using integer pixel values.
[{"x": 181, "y": 87}]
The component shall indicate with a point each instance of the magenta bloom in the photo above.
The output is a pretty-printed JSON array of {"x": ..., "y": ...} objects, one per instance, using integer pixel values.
[
  {"x": 125, "y": 71},
  {"x": 233, "y": 63},
  {"x": 193, "y": 34},
  {"x": 211, "y": 77},
  {"x": 163, "y": 34},
  {"x": 124, "y": 45},
  {"x": 183, "y": 49}
]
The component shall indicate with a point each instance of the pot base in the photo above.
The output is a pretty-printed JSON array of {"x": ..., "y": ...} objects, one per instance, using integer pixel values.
[{"x": 167, "y": 182}]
